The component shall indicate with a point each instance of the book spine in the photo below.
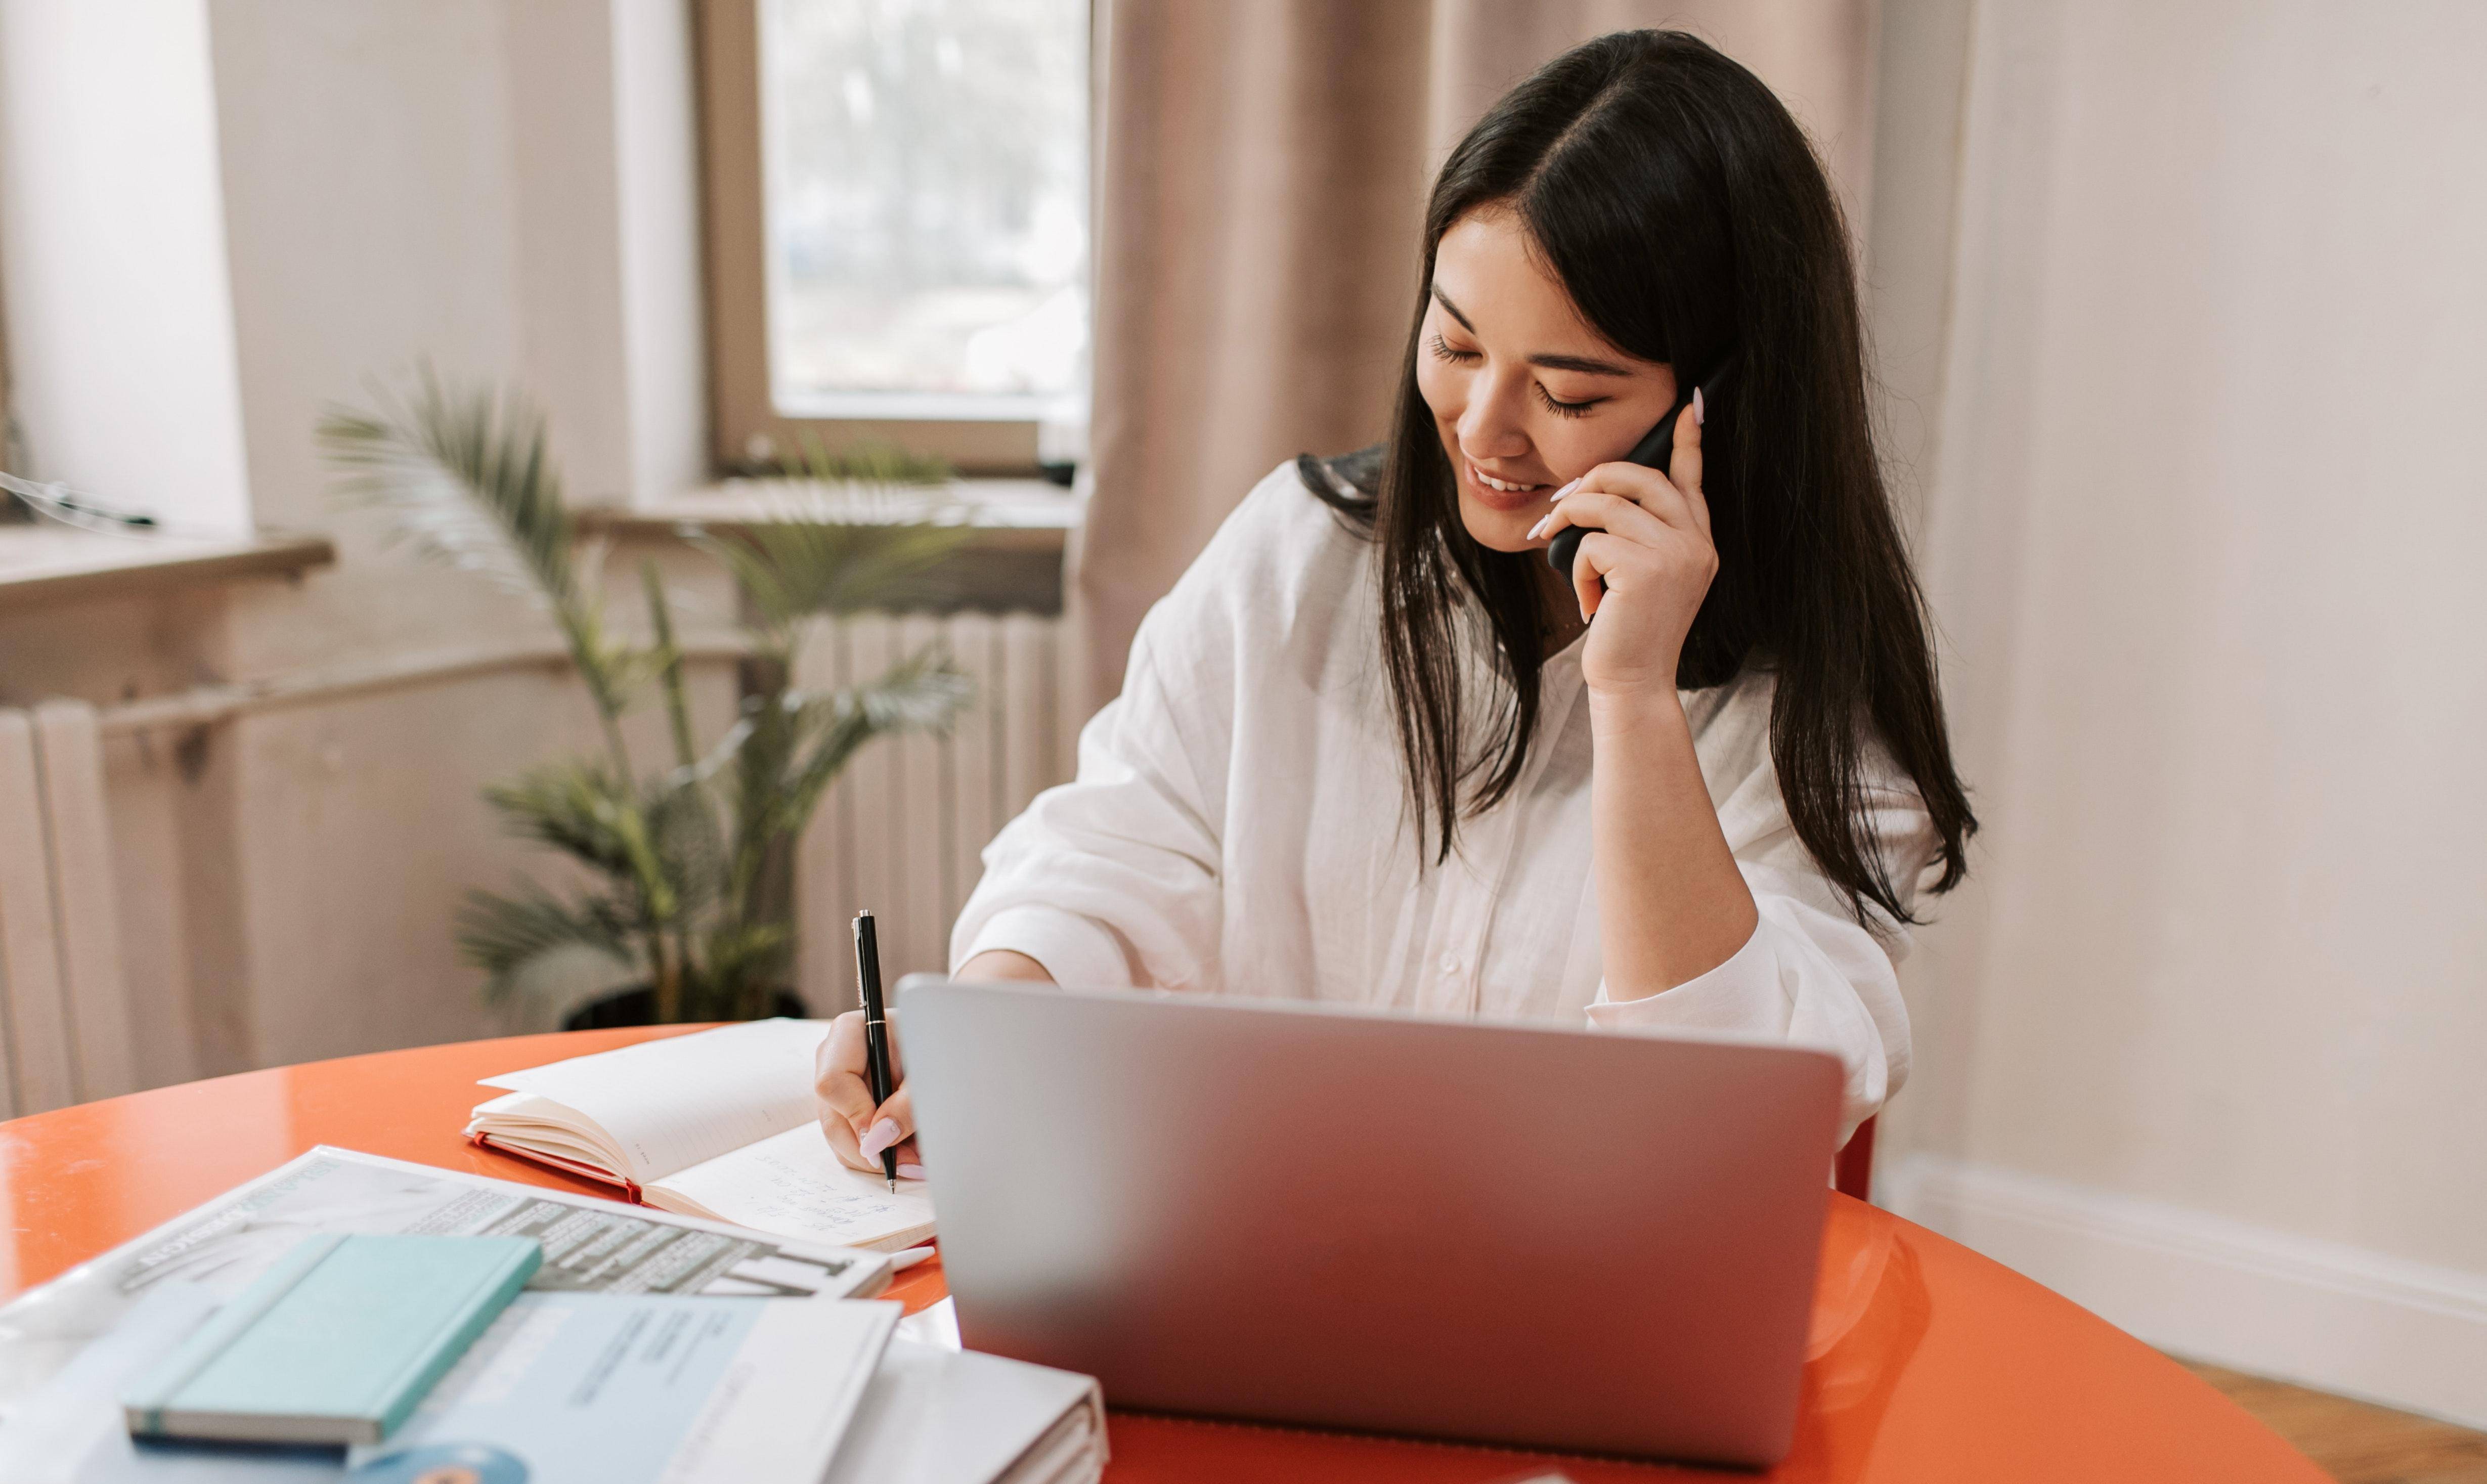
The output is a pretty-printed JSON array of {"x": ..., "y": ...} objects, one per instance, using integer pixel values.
[
  {"x": 398, "y": 1400},
  {"x": 145, "y": 1403},
  {"x": 629, "y": 1187}
]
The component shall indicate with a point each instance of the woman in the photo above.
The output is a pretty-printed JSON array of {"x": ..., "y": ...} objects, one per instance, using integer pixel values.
[{"x": 1372, "y": 747}]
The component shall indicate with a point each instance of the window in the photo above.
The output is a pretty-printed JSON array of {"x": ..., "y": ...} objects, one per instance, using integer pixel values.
[{"x": 898, "y": 224}]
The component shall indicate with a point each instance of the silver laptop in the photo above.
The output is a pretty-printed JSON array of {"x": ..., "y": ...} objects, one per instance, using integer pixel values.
[{"x": 1250, "y": 1209}]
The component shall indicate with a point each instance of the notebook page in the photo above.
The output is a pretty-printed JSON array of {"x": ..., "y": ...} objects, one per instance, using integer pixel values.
[
  {"x": 792, "y": 1186},
  {"x": 669, "y": 1105}
]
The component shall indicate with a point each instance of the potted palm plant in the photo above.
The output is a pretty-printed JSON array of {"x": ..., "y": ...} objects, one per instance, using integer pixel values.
[{"x": 688, "y": 893}]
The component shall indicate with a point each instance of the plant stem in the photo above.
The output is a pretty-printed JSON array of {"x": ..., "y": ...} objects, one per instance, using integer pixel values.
[
  {"x": 661, "y": 619},
  {"x": 668, "y": 980},
  {"x": 683, "y": 964},
  {"x": 601, "y": 688}
]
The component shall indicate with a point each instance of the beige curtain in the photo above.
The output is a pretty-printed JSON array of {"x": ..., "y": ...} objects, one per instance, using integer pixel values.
[{"x": 1261, "y": 183}]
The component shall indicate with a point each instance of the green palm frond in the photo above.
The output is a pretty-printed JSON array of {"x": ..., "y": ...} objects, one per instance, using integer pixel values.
[
  {"x": 509, "y": 936},
  {"x": 849, "y": 530},
  {"x": 688, "y": 843},
  {"x": 466, "y": 479},
  {"x": 788, "y": 748},
  {"x": 795, "y": 569},
  {"x": 572, "y": 806},
  {"x": 868, "y": 464},
  {"x": 581, "y": 809},
  {"x": 921, "y": 693},
  {"x": 742, "y": 962}
]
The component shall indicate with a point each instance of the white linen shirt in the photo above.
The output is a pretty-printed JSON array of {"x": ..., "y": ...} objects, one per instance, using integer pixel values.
[{"x": 1240, "y": 826}]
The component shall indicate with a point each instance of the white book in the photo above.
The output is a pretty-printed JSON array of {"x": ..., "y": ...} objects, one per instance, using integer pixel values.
[
  {"x": 935, "y": 1415},
  {"x": 720, "y": 1124}
]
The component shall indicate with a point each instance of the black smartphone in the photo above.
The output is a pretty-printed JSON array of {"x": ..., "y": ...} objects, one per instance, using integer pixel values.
[{"x": 1655, "y": 450}]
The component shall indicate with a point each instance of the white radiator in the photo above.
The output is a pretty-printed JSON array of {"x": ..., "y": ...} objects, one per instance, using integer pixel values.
[
  {"x": 64, "y": 1031},
  {"x": 902, "y": 831}
]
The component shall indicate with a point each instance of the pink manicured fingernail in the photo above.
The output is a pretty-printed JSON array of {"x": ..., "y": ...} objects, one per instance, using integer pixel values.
[
  {"x": 911, "y": 1172},
  {"x": 878, "y": 1137},
  {"x": 1567, "y": 489},
  {"x": 1539, "y": 529},
  {"x": 1697, "y": 418}
]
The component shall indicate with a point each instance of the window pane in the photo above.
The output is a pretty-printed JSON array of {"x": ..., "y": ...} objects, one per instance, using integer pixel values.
[{"x": 928, "y": 205}]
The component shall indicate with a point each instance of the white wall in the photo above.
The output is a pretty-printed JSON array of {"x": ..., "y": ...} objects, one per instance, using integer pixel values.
[
  {"x": 2208, "y": 504},
  {"x": 663, "y": 316},
  {"x": 451, "y": 181},
  {"x": 121, "y": 333}
]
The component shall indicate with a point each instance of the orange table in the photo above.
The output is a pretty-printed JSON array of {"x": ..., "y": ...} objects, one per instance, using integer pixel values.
[{"x": 1930, "y": 1362}]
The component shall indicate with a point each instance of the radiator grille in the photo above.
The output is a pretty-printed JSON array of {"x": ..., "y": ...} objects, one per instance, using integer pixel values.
[
  {"x": 64, "y": 1025},
  {"x": 902, "y": 831}
]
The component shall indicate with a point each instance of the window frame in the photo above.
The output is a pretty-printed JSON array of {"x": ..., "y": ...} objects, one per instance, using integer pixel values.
[{"x": 747, "y": 433}]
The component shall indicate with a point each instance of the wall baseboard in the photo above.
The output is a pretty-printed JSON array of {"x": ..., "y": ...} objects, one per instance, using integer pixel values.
[{"x": 2321, "y": 1314}]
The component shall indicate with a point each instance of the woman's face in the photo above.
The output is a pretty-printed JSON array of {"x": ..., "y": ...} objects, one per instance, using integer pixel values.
[{"x": 1525, "y": 395}]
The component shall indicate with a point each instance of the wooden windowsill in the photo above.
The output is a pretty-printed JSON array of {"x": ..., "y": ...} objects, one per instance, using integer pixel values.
[
  {"x": 1009, "y": 515},
  {"x": 45, "y": 563}
]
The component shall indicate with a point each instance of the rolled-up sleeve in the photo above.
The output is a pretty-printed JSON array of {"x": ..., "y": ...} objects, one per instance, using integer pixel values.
[
  {"x": 1074, "y": 949},
  {"x": 1811, "y": 973}
]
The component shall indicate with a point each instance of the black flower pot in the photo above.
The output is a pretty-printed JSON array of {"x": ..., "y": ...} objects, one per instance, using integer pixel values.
[{"x": 637, "y": 1006}]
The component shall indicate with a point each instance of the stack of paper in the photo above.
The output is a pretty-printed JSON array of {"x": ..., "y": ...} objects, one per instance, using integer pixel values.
[{"x": 646, "y": 1348}]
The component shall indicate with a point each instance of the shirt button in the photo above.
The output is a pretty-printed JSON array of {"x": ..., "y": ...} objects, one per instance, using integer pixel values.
[{"x": 1450, "y": 962}]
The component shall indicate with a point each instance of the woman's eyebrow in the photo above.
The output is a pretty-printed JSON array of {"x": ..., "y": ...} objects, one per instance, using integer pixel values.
[
  {"x": 1580, "y": 363},
  {"x": 1445, "y": 299},
  {"x": 1585, "y": 364}
]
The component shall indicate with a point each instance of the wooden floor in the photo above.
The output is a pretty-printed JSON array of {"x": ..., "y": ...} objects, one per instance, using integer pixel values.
[{"x": 2358, "y": 1444}]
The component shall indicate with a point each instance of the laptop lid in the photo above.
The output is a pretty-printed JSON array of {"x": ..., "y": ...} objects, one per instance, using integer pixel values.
[{"x": 1511, "y": 1234}]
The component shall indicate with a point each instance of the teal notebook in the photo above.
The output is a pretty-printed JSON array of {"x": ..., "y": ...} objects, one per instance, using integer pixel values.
[{"x": 334, "y": 1344}]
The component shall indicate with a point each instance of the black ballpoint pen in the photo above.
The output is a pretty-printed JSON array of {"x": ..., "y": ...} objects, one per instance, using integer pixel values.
[{"x": 876, "y": 1029}]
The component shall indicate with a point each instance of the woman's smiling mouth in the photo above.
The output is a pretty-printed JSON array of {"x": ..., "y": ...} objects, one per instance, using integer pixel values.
[{"x": 1503, "y": 493}]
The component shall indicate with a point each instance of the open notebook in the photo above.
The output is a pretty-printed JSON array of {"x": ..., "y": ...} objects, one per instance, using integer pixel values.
[{"x": 720, "y": 1125}]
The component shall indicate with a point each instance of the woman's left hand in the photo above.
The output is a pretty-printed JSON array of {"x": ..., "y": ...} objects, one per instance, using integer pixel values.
[{"x": 1645, "y": 568}]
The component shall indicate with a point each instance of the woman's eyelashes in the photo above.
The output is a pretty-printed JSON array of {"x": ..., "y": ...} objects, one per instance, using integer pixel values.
[
  {"x": 1443, "y": 349},
  {"x": 1562, "y": 409}
]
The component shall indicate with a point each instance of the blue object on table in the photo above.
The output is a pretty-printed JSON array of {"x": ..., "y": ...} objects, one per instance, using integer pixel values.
[{"x": 336, "y": 1343}]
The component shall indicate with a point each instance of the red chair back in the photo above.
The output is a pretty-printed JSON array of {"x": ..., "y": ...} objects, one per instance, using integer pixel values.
[{"x": 1854, "y": 1174}]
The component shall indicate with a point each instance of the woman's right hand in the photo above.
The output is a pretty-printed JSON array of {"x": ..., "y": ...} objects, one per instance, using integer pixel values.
[
  {"x": 857, "y": 1128},
  {"x": 860, "y": 1128}
]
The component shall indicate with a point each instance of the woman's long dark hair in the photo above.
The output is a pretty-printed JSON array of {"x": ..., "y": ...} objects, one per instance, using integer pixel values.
[{"x": 1683, "y": 208}]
